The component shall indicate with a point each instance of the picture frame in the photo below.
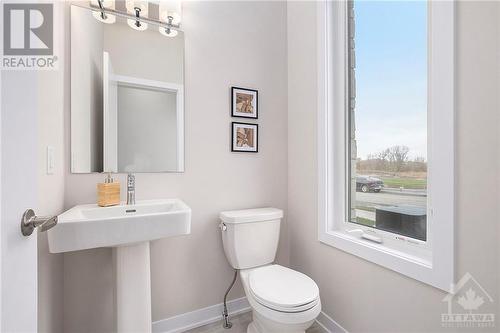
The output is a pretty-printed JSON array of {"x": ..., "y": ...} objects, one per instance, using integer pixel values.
[
  {"x": 244, "y": 103},
  {"x": 244, "y": 137}
]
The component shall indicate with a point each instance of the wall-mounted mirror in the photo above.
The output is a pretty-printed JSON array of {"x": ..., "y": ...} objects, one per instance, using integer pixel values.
[{"x": 127, "y": 97}]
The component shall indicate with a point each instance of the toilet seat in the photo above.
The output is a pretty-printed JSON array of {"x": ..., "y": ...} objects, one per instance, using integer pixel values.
[{"x": 282, "y": 289}]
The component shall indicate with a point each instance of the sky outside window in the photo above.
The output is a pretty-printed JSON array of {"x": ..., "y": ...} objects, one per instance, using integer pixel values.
[{"x": 391, "y": 76}]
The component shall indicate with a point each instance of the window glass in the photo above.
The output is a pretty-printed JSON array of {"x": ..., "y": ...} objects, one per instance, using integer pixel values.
[{"x": 388, "y": 116}]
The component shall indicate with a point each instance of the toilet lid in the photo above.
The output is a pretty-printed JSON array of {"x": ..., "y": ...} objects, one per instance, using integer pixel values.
[{"x": 283, "y": 289}]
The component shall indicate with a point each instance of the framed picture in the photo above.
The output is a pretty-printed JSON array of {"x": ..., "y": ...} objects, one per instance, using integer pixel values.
[
  {"x": 244, "y": 103},
  {"x": 245, "y": 137}
]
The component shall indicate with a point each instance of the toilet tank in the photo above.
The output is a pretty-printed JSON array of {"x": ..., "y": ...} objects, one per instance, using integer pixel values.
[{"x": 250, "y": 237}]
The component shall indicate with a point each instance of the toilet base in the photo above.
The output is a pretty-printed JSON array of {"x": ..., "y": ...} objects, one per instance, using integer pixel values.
[{"x": 261, "y": 324}]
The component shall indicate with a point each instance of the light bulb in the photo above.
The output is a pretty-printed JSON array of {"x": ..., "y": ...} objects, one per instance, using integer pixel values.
[
  {"x": 137, "y": 7},
  {"x": 176, "y": 17},
  {"x": 98, "y": 15},
  {"x": 131, "y": 5},
  {"x": 168, "y": 32},
  {"x": 170, "y": 8}
]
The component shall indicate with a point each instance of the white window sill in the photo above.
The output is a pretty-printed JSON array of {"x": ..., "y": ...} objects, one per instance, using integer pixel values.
[
  {"x": 412, "y": 266},
  {"x": 346, "y": 242}
]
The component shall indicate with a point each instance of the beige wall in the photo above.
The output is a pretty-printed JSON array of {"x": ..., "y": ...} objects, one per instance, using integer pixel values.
[
  {"x": 50, "y": 202},
  {"x": 51, "y": 107},
  {"x": 224, "y": 46},
  {"x": 362, "y": 296},
  {"x": 227, "y": 43}
]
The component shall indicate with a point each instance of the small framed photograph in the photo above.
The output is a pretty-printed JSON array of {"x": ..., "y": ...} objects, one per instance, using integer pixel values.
[
  {"x": 244, "y": 103},
  {"x": 245, "y": 137}
]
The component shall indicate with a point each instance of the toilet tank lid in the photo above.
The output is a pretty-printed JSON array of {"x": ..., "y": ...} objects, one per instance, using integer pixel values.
[{"x": 251, "y": 215}]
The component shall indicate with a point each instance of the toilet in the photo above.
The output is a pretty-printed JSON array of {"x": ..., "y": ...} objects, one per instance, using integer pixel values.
[{"x": 282, "y": 300}]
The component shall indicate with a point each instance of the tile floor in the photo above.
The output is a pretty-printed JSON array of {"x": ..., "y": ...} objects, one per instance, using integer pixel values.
[{"x": 240, "y": 324}]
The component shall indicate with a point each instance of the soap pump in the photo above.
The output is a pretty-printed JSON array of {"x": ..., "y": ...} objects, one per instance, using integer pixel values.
[{"x": 108, "y": 193}]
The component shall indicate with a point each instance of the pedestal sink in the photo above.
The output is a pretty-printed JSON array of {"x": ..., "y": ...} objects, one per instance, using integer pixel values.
[{"x": 128, "y": 230}]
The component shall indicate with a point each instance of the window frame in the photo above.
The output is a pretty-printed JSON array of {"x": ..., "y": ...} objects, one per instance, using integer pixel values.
[{"x": 432, "y": 261}]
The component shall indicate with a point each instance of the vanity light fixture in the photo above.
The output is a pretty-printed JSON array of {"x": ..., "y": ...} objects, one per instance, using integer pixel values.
[{"x": 137, "y": 14}]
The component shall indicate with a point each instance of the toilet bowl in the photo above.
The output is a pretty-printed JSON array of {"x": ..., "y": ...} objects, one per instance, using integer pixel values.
[{"x": 282, "y": 300}]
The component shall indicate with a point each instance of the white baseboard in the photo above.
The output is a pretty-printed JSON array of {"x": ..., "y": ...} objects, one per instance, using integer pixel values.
[
  {"x": 330, "y": 325},
  {"x": 197, "y": 318},
  {"x": 211, "y": 314}
]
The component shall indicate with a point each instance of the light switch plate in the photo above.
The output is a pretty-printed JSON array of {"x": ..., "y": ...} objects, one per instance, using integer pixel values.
[{"x": 50, "y": 160}]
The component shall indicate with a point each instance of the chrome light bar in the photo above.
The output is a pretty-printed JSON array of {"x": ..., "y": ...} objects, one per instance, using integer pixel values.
[{"x": 103, "y": 10}]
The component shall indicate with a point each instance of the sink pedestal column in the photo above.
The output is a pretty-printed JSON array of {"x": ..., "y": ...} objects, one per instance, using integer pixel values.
[{"x": 133, "y": 288}]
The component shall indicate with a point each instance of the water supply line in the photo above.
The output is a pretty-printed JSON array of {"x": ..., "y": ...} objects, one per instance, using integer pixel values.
[{"x": 225, "y": 316}]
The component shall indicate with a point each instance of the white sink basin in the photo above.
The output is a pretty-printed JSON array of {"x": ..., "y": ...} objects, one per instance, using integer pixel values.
[
  {"x": 128, "y": 230},
  {"x": 90, "y": 226}
]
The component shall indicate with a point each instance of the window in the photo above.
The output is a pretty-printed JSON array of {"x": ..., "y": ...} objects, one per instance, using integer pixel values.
[
  {"x": 388, "y": 116},
  {"x": 386, "y": 95}
]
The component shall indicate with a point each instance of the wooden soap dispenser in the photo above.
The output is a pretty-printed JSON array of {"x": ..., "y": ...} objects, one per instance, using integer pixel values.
[{"x": 108, "y": 193}]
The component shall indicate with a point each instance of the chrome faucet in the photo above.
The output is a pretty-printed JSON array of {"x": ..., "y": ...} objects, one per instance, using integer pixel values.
[{"x": 130, "y": 189}]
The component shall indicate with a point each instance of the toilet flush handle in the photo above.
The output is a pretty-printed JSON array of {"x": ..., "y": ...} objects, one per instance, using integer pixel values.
[{"x": 222, "y": 226}]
